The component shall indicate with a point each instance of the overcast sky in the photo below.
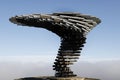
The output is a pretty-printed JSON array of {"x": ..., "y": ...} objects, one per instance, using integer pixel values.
[{"x": 20, "y": 44}]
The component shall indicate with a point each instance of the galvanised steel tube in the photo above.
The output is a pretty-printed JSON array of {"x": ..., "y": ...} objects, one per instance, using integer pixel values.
[{"x": 72, "y": 28}]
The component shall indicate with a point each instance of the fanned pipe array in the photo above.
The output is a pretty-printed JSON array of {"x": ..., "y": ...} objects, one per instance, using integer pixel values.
[{"x": 72, "y": 29}]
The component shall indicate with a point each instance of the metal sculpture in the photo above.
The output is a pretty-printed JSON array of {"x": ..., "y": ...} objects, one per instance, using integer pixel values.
[{"x": 72, "y": 29}]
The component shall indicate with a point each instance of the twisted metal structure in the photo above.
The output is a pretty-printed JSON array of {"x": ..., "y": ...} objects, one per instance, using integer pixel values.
[{"x": 72, "y": 29}]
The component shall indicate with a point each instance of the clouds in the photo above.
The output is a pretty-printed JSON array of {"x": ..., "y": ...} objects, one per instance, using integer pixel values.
[
  {"x": 104, "y": 70},
  {"x": 12, "y": 69}
]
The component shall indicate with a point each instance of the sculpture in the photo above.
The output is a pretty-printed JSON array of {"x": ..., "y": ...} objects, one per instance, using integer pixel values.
[{"x": 72, "y": 29}]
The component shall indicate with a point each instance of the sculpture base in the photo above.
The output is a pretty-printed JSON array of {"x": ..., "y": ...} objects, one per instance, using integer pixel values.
[{"x": 56, "y": 78}]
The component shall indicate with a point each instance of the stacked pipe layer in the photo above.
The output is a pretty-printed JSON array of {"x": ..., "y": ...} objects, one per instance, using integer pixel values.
[
  {"x": 67, "y": 54},
  {"x": 72, "y": 29}
]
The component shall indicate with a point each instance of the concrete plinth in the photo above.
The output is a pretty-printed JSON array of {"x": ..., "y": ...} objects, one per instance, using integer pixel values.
[{"x": 56, "y": 78}]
